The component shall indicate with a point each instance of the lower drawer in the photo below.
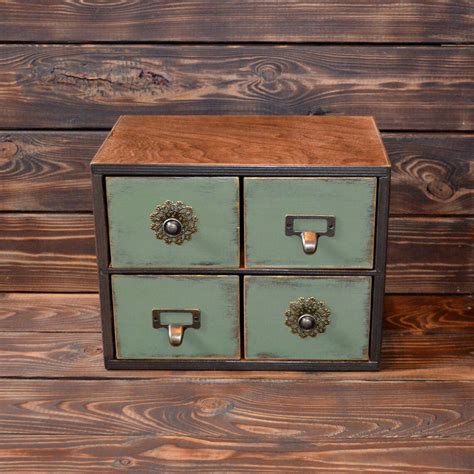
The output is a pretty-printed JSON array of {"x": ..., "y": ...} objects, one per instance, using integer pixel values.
[
  {"x": 285, "y": 317},
  {"x": 152, "y": 312},
  {"x": 301, "y": 318}
]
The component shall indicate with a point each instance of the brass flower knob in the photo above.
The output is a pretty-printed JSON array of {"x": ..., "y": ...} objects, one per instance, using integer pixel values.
[
  {"x": 307, "y": 317},
  {"x": 173, "y": 222}
]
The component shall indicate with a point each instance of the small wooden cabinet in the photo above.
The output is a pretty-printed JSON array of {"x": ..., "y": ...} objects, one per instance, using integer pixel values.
[{"x": 241, "y": 243}]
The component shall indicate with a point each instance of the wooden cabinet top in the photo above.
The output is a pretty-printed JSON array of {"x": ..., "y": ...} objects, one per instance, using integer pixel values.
[{"x": 242, "y": 141}]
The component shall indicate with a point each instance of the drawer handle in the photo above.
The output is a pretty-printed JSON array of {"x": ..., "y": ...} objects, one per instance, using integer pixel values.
[
  {"x": 173, "y": 222},
  {"x": 310, "y": 239},
  {"x": 307, "y": 317},
  {"x": 176, "y": 331}
]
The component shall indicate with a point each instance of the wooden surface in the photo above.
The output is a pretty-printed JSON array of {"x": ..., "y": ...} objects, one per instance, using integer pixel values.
[
  {"x": 432, "y": 174},
  {"x": 69, "y": 69},
  {"x": 89, "y": 86},
  {"x": 56, "y": 253},
  {"x": 58, "y": 335},
  {"x": 85, "y": 453},
  {"x": 47, "y": 171},
  {"x": 47, "y": 252},
  {"x": 59, "y": 100},
  {"x": 83, "y": 418},
  {"x": 264, "y": 20},
  {"x": 243, "y": 141}
]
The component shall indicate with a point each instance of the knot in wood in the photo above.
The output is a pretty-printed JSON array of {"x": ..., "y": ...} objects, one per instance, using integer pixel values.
[
  {"x": 440, "y": 189},
  {"x": 213, "y": 406},
  {"x": 8, "y": 150},
  {"x": 269, "y": 72}
]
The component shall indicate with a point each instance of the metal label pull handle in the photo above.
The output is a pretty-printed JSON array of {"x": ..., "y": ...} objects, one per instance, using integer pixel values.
[
  {"x": 176, "y": 331},
  {"x": 309, "y": 238}
]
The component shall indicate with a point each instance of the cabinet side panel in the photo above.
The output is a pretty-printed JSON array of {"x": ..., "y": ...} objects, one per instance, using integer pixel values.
[
  {"x": 100, "y": 219},
  {"x": 383, "y": 199}
]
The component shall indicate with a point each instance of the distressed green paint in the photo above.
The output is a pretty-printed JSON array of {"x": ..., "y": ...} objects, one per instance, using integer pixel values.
[
  {"x": 346, "y": 337},
  {"x": 135, "y": 297},
  {"x": 269, "y": 200},
  {"x": 215, "y": 201}
]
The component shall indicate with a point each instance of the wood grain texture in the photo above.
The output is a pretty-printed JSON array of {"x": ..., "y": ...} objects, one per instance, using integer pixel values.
[
  {"x": 63, "y": 312},
  {"x": 265, "y": 20},
  {"x": 246, "y": 410},
  {"x": 47, "y": 252},
  {"x": 243, "y": 141},
  {"x": 432, "y": 174},
  {"x": 78, "y": 355},
  {"x": 172, "y": 453},
  {"x": 68, "y": 86},
  {"x": 428, "y": 255},
  {"x": 429, "y": 314},
  {"x": 58, "y": 335},
  {"x": 46, "y": 171},
  {"x": 49, "y": 312},
  {"x": 414, "y": 415},
  {"x": 55, "y": 253}
]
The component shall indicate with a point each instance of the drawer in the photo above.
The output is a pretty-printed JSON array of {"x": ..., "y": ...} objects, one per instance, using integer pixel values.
[
  {"x": 279, "y": 211},
  {"x": 145, "y": 306},
  {"x": 203, "y": 231},
  {"x": 324, "y": 318}
]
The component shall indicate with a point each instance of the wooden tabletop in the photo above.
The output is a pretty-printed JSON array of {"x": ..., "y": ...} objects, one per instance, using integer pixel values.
[{"x": 302, "y": 141}]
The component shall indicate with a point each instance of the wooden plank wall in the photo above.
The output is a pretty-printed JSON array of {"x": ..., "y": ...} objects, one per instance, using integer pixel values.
[{"x": 69, "y": 69}]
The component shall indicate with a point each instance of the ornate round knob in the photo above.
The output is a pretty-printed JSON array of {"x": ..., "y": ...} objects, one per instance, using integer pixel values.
[
  {"x": 306, "y": 322},
  {"x": 307, "y": 317},
  {"x": 172, "y": 227},
  {"x": 173, "y": 222}
]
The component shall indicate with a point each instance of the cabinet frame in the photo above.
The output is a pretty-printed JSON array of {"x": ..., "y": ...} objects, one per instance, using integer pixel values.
[{"x": 101, "y": 170}]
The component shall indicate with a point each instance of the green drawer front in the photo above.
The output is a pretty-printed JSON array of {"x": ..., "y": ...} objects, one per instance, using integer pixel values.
[
  {"x": 215, "y": 203},
  {"x": 216, "y": 297},
  {"x": 346, "y": 336},
  {"x": 269, "y": 200}
]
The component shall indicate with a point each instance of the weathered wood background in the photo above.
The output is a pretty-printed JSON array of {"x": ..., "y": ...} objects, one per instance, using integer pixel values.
[{"x": 69, "y": 68}]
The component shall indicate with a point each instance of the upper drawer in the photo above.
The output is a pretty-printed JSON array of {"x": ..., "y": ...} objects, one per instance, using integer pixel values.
[
  {"x": 285, "y": 219},
  {"x": 148, "y": 227}
]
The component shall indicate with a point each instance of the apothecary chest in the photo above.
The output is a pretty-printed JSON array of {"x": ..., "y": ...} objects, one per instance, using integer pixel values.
[{"x": 238, "y": 242}]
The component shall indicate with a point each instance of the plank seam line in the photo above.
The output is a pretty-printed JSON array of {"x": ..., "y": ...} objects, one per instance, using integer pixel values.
[
  {"x": 295, "y": 42},
  {"x": 232, "y": 380}
]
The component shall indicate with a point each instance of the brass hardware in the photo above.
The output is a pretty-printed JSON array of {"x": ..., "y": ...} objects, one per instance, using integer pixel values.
[
  {"x": 307, "y": 317},
  {"x": 310, "y": 239},
  {"x": 176, "y": 331},
  {"x": 173, "y": 222}
]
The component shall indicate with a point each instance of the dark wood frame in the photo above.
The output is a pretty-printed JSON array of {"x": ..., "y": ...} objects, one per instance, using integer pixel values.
[{"x": 100, "y": 171}]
